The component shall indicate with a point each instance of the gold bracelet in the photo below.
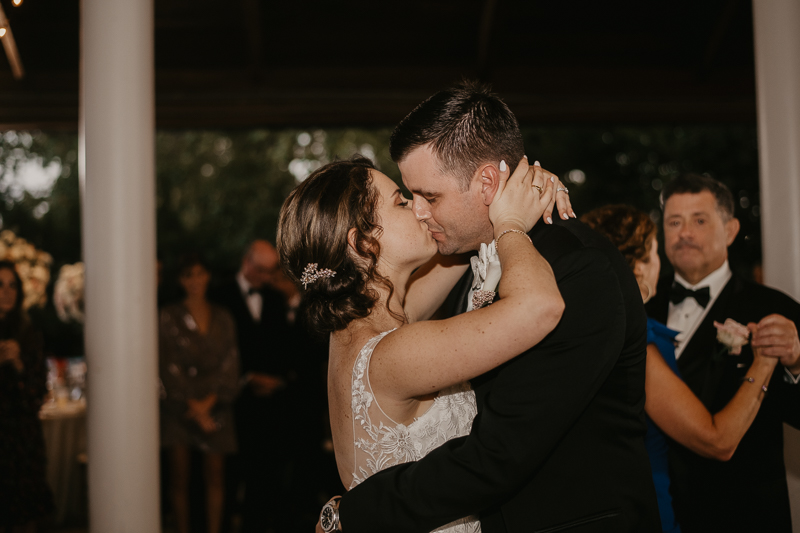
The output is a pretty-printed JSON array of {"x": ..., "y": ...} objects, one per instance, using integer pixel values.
[{"x": 497, "y": 241}]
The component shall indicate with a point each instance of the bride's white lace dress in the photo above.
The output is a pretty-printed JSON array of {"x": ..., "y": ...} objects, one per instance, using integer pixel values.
[{"x": 380, "y": 442}]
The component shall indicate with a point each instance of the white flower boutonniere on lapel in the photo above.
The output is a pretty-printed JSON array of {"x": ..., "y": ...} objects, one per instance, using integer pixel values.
[
  {"x": 486, "y": 267},
  {"x": 732, "y": 335}
]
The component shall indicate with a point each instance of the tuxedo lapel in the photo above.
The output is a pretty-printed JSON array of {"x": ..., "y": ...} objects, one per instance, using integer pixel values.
[
  {"x": 698, "y": 365},
  {"x": 462, "y": 292},
  {"x": 230, "y": 296},
  {"x": 241, "y": 303}
]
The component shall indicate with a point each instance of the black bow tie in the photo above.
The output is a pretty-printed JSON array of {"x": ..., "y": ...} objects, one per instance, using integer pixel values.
[{"x": 679, "y": 293}]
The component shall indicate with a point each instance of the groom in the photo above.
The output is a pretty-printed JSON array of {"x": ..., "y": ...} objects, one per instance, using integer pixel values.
[{"x": 558, "y": 443}]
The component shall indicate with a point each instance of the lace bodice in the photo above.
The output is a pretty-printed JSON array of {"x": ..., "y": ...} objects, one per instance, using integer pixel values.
[{"x": 380, "y": 442}]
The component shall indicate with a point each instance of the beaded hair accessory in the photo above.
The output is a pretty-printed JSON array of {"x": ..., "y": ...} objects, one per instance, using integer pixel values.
[{"x": 311, "y": 274}]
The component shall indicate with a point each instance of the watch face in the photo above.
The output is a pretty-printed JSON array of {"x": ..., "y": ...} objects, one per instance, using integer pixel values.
[{"x": 326, "y": 518}]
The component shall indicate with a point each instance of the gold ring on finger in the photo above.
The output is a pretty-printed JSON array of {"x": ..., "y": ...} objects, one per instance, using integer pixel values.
[{"x": 537, "y": 187}]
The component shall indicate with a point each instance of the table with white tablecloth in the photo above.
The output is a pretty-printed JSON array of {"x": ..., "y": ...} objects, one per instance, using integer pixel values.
[{"x": 64, "y": 428}]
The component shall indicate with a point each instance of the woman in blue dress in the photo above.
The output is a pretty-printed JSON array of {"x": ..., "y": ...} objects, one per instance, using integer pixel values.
[{"x": 672, "y": 409}]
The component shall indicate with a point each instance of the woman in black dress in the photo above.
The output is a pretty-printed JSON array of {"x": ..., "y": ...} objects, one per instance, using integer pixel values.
[{"x": 24, "y": 495}]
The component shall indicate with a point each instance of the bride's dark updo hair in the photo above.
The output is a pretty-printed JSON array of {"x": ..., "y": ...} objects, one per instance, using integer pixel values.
[{"x": 313, "y": 228}]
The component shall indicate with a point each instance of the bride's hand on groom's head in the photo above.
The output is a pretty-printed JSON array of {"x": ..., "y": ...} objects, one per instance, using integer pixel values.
[
  {"x": 560, "y": 200},
  {"x": 521, "y": 198}
]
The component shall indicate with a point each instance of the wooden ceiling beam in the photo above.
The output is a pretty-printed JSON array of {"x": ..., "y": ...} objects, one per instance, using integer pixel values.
[
  {"x": 251, "y": 14},
  {"x": 716, "y": 38},
  {"x": 325, "y": 96},
  {"x": 485, "y": 36}
]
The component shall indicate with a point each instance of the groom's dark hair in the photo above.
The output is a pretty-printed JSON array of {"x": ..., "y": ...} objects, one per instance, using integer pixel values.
[{"x": 466, "y": 125}]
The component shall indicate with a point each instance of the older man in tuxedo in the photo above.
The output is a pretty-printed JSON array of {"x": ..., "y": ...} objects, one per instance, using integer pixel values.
[
  {"x": 260, "y": 313},
  {"x": 749, "y": 492}
]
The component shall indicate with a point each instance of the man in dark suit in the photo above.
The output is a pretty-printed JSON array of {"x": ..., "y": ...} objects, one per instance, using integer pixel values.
[
  {"x": 260, "y": 314},
  {"x": 749, "y": 492},
  {"x": 558, "y": 442}
]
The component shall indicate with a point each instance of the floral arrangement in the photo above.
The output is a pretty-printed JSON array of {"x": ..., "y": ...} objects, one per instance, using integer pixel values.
[
  {"x": 33, "y": 267},
  {"x": 68, "y": 293}
]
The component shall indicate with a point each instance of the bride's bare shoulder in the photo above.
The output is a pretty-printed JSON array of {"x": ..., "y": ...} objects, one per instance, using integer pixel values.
[{"x": 345, "y": 345}]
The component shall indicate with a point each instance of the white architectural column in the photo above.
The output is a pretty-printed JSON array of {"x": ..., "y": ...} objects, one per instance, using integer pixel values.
[
  {"x": 777, "y": 47},
  {"x": 117, "y": 122}
]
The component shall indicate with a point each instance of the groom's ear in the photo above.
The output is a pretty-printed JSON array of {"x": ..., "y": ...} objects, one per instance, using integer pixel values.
[{"x": 489, "y": 176}]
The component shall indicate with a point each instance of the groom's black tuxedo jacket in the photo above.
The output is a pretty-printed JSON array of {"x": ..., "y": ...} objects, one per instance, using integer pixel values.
[
  {"x": 747, "y": 493},
  {"x": 558, "y": 443}
]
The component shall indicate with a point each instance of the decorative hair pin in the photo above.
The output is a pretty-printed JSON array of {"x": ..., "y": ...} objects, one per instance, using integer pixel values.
[{"x": 311, "y": 274}]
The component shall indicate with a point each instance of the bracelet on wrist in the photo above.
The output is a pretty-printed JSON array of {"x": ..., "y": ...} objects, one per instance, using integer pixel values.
[
  {"x": 749, "y": 379},
  {"x": 502, "y": 234}
]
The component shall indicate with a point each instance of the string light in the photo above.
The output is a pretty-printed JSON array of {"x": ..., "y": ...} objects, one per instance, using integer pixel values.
[
  {"x": 2, "y": 32},
  {"x": 16, "y": 2}
]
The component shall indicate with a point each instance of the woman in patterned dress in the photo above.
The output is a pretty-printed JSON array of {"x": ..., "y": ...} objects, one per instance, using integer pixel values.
[
  {"x": 25, "y": 497},
  {"x": 397, "y": 382},
  {"x": 199, "y": 368}
]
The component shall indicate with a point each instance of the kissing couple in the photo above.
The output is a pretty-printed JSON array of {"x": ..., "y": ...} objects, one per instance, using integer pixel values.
[{"x": 521, "y": 406}]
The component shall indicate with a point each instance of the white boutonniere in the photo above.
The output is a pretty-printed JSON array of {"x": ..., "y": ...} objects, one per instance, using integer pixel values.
[
  {"x": 732, "y": 335},
  {"x": 486, "y": 267}
]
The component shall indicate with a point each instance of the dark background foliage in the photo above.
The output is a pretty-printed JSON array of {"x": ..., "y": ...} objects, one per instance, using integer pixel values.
[{"x": 218, "y": 190}]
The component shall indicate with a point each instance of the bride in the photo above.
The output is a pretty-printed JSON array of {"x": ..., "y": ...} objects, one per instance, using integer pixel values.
[{"x": 398, "y": 382}]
